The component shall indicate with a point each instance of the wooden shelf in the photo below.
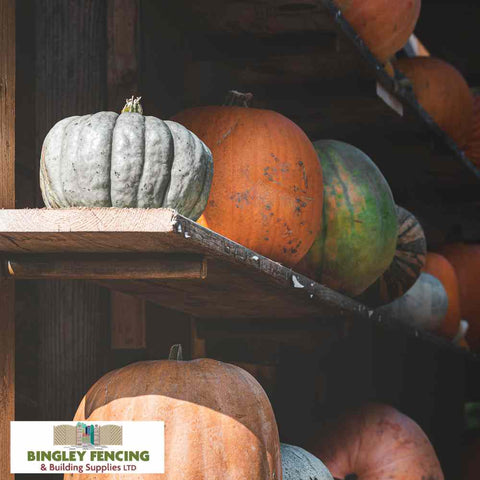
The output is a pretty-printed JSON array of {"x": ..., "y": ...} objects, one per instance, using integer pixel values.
[
  {"x": 303, "y": 59},
  {"x": 170, "y": 260},
  {"x": 239, "y": 283}
]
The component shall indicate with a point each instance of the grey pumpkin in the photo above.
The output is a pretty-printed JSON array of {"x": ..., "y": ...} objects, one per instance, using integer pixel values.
[
  {"x": 127, "y": 161},
  {"x": 298, "y": 464}
]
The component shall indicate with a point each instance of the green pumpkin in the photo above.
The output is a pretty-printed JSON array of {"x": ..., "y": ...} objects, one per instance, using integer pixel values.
[
  {"x": 126, "y": 161},
  {"x": 359, "y": 235},
  {"x": 298, "y": 464}
]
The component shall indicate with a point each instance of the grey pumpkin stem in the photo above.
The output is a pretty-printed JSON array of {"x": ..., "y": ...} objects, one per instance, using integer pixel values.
[
  {"x": 235, "y": 98},
  {"x": 176, "y": 352},
  {"x": 133, "y": 105}
]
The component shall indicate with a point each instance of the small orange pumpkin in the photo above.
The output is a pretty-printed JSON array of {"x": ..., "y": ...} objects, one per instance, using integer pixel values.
[
  {"x": 438, "y": 266},
  {"x": 384, "y": 25},
  {"x": 267, "y": 189},
  {"x": 465, "y": 258},
  {"x": 443, "y": 92}
]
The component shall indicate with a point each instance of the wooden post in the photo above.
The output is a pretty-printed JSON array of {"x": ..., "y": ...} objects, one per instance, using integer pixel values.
[
  {"x": 128, "y": 312},
  {"x": 70, "y": 70},
  {"x": 7, "y": 200}
]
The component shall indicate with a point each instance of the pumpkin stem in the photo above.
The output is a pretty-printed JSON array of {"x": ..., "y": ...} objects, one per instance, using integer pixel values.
[
  {"x": 238, "y": 99},
  {"x": 176, "y": 352},
  {"x": 133, "y": 105}
]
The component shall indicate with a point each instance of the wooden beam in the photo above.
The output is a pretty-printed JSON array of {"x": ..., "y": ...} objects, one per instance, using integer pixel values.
[
  {"x": 128, "y": 322},
  {"x": 7, "y": 200},
  {"x": 106, "y": 267}
]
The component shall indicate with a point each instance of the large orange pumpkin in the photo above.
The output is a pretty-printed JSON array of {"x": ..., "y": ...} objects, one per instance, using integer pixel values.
[
  {"x": 267, "y": 189},
  {"x": 465, "y": 258},
  {"x": 443, "y": 92},
  {"x": 376, "y": 442},
  {"x": 438, "y": 266},
  {"x": 384, "y": 25},
  {"x": 219, "y": 423},
  {"x": 473, "y": 148}
]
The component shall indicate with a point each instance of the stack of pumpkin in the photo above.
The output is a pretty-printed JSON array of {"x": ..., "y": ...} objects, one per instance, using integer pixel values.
[
  {"x": 220, "y": 425},
  {"x": 254, "y": 176}
]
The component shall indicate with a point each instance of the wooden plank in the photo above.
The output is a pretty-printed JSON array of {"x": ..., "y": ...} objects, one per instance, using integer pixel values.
[
  {"x": 101, "y": 267},
  {"x": 7, "y": 200},
  {"x": 240, "y": 282},
  {"x": 128, "y": 327},
  {"x": 70, "y": 79}
]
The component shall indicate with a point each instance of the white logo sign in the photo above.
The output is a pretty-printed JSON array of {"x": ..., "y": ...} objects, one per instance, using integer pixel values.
[{"x": 87, "y": 447}]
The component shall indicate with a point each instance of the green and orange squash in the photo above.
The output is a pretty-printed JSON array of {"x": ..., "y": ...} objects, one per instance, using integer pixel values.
[
  {"x": 267, "y": 185},
  {"x": 406, "y": 266},
  {"x": 359, "y": 234}
]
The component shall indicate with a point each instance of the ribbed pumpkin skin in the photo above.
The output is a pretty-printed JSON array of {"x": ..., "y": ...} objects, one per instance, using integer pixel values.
[
  {"x": 465, "y": 258},
  {"x": 384, "y": 25},
  {"x": 267, "y": 187},
  {"x": 406, "y": 266},
  {"x": 472, "y": 151},
  {"x": 359, "y": 234},
  {"x": 376, "y": 442},
  {"x": 424, "y": 306},
  {"x": 443, "y": 92},
  {"x": 298, "y": 464},
  {"x": 219, "y": 424},
  {"x": 127, "y": 160},
  {"x": 438, "y": 266}
]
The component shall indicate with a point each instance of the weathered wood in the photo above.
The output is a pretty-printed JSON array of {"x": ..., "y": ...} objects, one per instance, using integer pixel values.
[
  {"x": 103, "y": 267},
  {"x": 122, "y": 70},
  {"x": 128, "y": 323},
  {"x": 70, "y": 79},
  {"x": 240, "y": 283},
  {"x": 7, "y": 200}
]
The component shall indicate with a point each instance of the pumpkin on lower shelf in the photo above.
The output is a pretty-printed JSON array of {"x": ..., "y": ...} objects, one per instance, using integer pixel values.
[
  {"x": 465, "y": 258},
  {"x": 442, "y": 92},
  {"x": 219, "y": 421},
  {"x": 376, "y": 442},
  {"x": 126, "y": 160},
  {"x": 424, "y": 306},
  {"x": 384, "y": 25},
  {"x": 406, "y": 265},
  {"x": 359, "y": 235},
  {"x": 298, "y": 464},
  {"x": 267, "y": 187},
  {"x": 438, "y": 266}
]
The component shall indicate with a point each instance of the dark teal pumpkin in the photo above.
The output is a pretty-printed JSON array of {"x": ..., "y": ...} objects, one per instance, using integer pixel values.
[{"x": 359, "y": 235}]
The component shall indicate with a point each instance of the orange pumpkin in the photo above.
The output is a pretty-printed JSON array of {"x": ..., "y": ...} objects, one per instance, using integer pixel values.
[
  {"x": 443, "y": 92},
  {"x": 438, "y": 266},
  {"x": 465, "y": 258},
  {"x": 473, "y": 148},
  {"x": 384, "y": 25},
  {"x": 219, "y": 422},
  {"x": 376, "y": 442},
  {"x": 267, "y": 189}
]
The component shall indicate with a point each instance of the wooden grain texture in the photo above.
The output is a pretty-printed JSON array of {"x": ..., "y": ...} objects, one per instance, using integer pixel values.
[
  {"x": 70, "y": 79},
  {"x": 128, "y": 322},
  {"x": 122, "y": 69},
  {"x": 7, "y": 200},
  {"x": 102, "y": 267},
  {"x": 240, "y": 283}
]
